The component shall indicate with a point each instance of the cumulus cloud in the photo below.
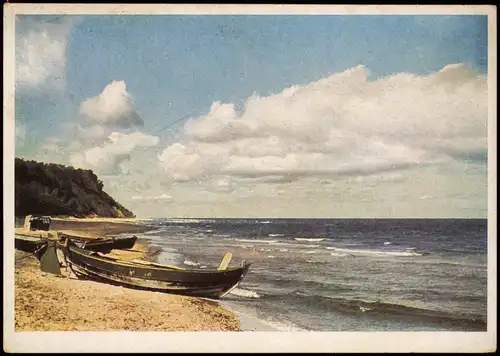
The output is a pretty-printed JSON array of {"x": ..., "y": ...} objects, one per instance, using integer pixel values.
[
  {"x": 342, "y": 125},
  {"x": 106, "y": 140},
  {"x": 112, "y": 107},
  {"x": 107, "y": 157},
  {"x": 41, "y": 54}
]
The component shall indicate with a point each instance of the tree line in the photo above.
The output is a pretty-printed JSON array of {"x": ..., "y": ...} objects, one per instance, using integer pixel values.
[{"x": 55, "y": 189}]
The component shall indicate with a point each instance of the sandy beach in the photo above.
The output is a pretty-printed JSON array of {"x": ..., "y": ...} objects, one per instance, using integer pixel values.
[
  {"x": 98, "y": 227},
  {"x": 46, "y": 302}
]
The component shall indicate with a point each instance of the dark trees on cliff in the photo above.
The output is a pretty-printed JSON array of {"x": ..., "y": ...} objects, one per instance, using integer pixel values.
[{"x": 54, "y": 189}]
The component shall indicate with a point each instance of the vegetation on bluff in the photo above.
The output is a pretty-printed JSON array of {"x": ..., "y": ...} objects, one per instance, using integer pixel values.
[{"x": 54, "y": 189}]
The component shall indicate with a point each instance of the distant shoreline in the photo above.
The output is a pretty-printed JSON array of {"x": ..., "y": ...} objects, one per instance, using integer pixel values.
[{"x": 101, "y": 219}]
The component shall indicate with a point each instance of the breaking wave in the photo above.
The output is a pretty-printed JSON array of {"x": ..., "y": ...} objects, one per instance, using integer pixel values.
[
  {"x": 308, "y": 239},
  {"x": 191, "y": 263},
  {"x": 338, "y": 254},
  {"x": 307, "y": 246},
  {"x": 245, "y": 293},
  {"x": 253, "y": 240},
  {"x": 275, "y": 235},
  {"x": 375, "y": 252},
  {"x": 153, "y": 232}
]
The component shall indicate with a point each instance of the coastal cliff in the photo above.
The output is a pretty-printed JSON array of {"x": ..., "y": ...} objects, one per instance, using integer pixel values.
[{"x": 54, "y": 189}]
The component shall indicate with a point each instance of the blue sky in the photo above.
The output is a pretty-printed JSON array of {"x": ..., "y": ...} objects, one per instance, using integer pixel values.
[
  {"x": 191, "y": 61},
  {"x": 178, "y": 66}
]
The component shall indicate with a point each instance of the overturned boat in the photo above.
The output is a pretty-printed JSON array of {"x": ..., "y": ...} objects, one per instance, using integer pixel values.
[{"x": 140, "y": 274}]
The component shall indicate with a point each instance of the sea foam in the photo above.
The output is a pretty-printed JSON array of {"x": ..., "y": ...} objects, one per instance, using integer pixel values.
[
  {"x": 308, "y": 239},
  {"x": 338, "y": 254},
  {"x": 191, "y": 263},
  {"x": 253, "y": 240},
  {"x": 376, "y": 252},
  {"x": 245, "y": 293}
]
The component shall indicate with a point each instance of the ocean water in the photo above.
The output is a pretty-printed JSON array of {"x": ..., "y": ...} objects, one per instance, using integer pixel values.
[{"x": 343, "y": 275}]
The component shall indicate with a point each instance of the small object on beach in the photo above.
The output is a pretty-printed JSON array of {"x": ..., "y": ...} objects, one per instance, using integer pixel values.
[{"x": 49, "y": 261}]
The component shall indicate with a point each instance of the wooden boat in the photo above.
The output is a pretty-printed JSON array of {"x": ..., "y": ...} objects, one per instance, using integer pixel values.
[
  {"x": 27, "y": 244},
  {"x": 210, "y": 283},
  {"x": 123, "y": 243},
  {"x": 100, "y": 244},
  {"x": 43, "y": 249},
  {"x": 104, "y": 245},
  {"x": 39, "y": 227},
  {"x": 33, "y": 234}
]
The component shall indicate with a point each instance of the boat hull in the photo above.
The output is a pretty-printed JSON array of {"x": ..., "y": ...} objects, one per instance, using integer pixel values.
[
  {"x": 27, "y": 244},
  {"x": 194, "y": 282},
  {"x": 207, "y": 291},
  {"x": 28, "y": 241},
  {"x": 106, "y": 245}
]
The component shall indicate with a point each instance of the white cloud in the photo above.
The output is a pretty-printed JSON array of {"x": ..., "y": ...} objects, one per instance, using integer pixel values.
[
  {"x": 107, "y": 157},
  {"x": 159, "y": 197},
  {"x": 391, "y": 194},
  {"x": 105, "y": 142},
  {"x": 342, "y": 125},
  {"x": 52, "y": 144},
  {"x": 93, "y": 134},
  {"x": 112, "y": 107},
  {"x": 41, "y": 54}
]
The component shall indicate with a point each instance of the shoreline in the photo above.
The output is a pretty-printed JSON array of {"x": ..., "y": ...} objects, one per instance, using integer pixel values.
[
  {"x": 101, "y": 219},
  {"x": 46, "y": 302}
]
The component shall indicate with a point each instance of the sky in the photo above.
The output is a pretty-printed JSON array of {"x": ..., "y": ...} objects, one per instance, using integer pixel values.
[{"x": 332, "y": 116}]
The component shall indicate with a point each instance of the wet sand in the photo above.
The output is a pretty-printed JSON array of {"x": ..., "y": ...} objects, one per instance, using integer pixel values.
[{"x": 46, "y": 302}]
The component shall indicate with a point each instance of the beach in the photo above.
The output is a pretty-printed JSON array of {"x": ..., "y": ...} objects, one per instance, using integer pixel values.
[{"x": 46, "y": 302}]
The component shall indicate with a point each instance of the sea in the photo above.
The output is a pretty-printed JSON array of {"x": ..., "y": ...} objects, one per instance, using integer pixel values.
[{"x": 342, "y": 274}]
